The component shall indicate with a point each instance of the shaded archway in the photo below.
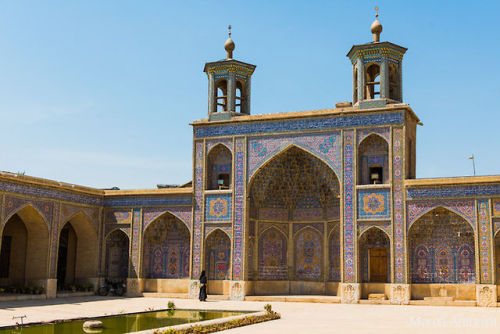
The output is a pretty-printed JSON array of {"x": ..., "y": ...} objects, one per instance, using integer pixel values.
[
  {"x": 299, "y": 189},
  {"x": 166, "y": 251},
  {"x": 117, "y": 254},
  {"x": 77, "y": 252},
  {"x": 25, "y": 249},
  {"x": 373, "y": 158},
  {"x": 442, "y": 250},
  {"x": 273, "y": 255},
  {"x": 374, "y": 256},
  {"x": 217, "y": 255},
  {"x": 334, "y": 254}
]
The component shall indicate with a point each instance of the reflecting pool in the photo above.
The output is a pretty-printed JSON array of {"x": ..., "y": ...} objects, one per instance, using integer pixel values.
[{"x": 125, "y": 323}]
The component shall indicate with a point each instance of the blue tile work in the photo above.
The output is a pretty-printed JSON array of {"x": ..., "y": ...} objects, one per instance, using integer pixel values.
[
  {"x": 374, "y": 203},
  {"x": 218, "y": 207},
  {"x": 148, "y": 200},
  {"x": 322, "y": 123},
  {"x": 453, "y": 191},
  {"x": 32, "y": 190}
]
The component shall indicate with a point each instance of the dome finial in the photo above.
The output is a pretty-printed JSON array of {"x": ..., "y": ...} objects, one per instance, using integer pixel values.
[
  {"x": 376, "y": 27},
  {"x": 229, "y": 45}
]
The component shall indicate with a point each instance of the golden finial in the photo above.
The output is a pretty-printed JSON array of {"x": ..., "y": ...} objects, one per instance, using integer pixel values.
[
  {"x": 229, "y": 45},
  {"x": 376, "y": 27}
]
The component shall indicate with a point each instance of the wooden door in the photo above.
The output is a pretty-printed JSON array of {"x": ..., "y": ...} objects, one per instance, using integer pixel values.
[{"x": 377, "y": 265}]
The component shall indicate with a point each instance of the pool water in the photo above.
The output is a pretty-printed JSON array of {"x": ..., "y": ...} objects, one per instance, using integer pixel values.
[{"x": 125, "y": 323}]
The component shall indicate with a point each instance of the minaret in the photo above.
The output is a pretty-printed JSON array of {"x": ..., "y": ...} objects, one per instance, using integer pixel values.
[
  {"x": 377, "y": 70},
  {"x": 228, "y": 85}
]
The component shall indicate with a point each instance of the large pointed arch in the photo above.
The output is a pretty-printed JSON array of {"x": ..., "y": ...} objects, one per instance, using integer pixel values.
[
  {"x": 444, "y": 206},
  {"x": 25, "y": 247},
  {"x": 117, "y": 255},
  {"x": 166, "y": 248},
  {"x": 262, "y": 165},
  {"x": 442, "y": 247},
  {"x": 290, "y": 176},
  {"x": 78, "y": 251}
]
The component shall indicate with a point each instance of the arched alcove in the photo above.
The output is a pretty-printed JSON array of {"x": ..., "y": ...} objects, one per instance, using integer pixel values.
[
  {"x": 117, "y": 256},
  {"x": 441, "y": 248},
  {"x": 219, "y": 168},
  {"x": 374, "y": 256},
  {"x": 273, "y": 255},
  {"x": 166, "y": 248},
  {"x": 77, "y": 252},
  {"x": 217, "y": 255},
  {"x": 373, "y": 160},
  {"x": 25, "y": 248},
  {"x": 334, "y": 254},
  {"x": 308, "y": 255}
]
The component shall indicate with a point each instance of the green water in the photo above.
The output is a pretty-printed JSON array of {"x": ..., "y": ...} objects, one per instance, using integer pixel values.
[{"x": 125, "y": 323}]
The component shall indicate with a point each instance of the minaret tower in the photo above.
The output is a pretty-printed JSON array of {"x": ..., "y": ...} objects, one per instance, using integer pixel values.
[
  {"x": 228, "y": 85},
  {"x": 377, "y": 70}
]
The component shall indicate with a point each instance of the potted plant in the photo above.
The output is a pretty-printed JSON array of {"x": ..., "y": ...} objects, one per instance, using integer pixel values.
[{"x": 73, "y": 288}]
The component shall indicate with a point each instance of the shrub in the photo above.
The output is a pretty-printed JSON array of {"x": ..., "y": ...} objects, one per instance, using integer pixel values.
[
  {"x": 268, "y": 308},
  {"x": 171, "y": 305}
]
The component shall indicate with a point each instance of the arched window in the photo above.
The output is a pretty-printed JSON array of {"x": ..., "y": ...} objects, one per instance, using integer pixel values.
[
  {"x": 394, "y": 83},
  {"x": 240, "y": 98},
  {"x": 373, "y": 157},
  {"x": 372, "y": 81},
  {"x": 221, "y": 98},
  {"x": 219, "y": 167}
]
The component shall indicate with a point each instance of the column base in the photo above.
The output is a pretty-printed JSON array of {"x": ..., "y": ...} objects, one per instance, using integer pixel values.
[
  {"x": 350, "y": 293},
  {"x": 194, "y": 289},
  {"x": 237, "y": 290},
  {"x": 486, "y": 295},
  {"x": 51, "y": 288},
  {"x": 133, "y": 287},
  {"x": 400, "y": 294}
]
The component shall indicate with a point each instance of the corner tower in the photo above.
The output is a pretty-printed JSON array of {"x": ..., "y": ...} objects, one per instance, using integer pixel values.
[
  {"x": 228, "y": 85},
  {"x": 377, "y": 70}
]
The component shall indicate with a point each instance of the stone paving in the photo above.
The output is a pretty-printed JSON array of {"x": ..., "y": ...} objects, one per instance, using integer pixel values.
[{"x": 296, "y": 317}]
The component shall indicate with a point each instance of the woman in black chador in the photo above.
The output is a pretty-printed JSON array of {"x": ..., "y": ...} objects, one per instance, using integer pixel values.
[{"x": 203, "y": 287}]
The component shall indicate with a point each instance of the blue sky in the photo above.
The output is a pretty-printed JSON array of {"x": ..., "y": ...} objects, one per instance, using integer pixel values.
[{"x": 101, "y": 93}]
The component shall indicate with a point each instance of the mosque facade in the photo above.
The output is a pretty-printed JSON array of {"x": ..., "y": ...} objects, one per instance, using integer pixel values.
[{"x": 321, "y": 202}]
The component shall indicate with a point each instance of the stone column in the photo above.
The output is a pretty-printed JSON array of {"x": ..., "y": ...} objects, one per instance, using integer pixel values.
[
  {"x": 384, "y": 78},
  {"x": 212, "y": 94},
  {"x": 237, "y": 290},
  {"x": 350, "y": 293},
  {"x": 486, "y": 295},
  {"x": 231, "y": 92},
  {"x": 400, "y": 294},
  {"x": 361, "y": 79}
]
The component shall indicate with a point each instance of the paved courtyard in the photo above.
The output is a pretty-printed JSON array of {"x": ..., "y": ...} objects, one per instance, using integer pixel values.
[{"x": 296, "y": 317}]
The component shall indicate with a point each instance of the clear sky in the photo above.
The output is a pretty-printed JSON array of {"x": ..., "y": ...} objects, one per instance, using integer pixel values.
[{"x": 101, "y": 93}]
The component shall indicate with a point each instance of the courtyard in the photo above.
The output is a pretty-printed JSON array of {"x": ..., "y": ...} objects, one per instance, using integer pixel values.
[{"x": 296, "y": 317}]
